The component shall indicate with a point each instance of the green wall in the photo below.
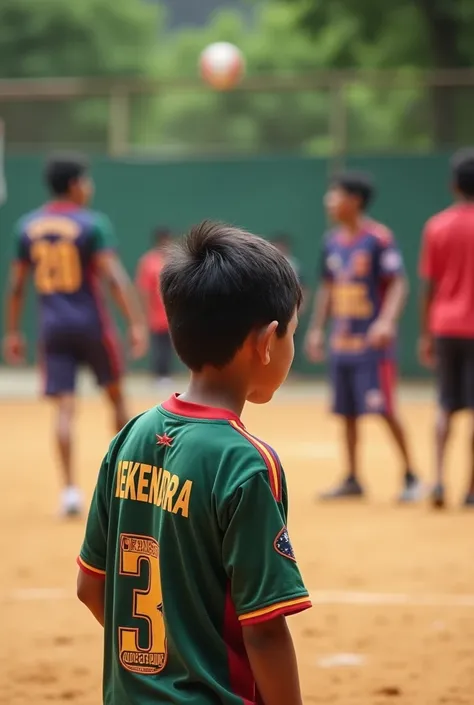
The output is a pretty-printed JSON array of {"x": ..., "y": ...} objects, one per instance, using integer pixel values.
[{"x": 264, "y": 195}]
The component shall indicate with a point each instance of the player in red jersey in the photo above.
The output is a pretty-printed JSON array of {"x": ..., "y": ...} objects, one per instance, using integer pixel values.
[
  {"x": 70, "y": 251},
  {"x": 363, "y": 293},
  {"x": 447, "y": 312},
  {"x": 148, "y": 284}
]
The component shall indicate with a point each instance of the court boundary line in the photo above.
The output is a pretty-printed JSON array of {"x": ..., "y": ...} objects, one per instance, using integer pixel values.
[{"x": 318, "y": 597}]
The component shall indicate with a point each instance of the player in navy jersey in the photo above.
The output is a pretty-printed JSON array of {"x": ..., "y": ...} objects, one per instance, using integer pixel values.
[
  {"x": 363, "y": 292},
  {"x": 70, "y": 251}
]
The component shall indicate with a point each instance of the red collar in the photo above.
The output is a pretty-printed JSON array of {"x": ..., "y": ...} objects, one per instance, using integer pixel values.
[
  {"x": 60, "y": 207},
  {"x": 197, "y": 411}
]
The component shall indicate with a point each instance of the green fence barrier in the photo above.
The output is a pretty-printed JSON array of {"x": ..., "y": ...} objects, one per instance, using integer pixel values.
[{"x": 264, "y": 195}]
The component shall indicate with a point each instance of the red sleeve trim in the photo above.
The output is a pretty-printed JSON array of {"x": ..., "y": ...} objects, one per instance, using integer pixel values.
[
  {"x": 280, "y": 612},
  {"x": 268, "y": 456},
  {"x": 90, "y": 570}
]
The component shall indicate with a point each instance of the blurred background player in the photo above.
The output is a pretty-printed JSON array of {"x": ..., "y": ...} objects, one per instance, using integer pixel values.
[
  {"x": 447, "y": 312},
  {"x": 148, "y": 283},
  {"x": 222, "y": 577},
  {"x": 70, "y": 251},
  {"x": 363, "y": 291}
]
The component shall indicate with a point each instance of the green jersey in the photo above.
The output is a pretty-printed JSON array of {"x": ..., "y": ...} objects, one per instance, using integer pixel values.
[{"x": 188, "y": 527}]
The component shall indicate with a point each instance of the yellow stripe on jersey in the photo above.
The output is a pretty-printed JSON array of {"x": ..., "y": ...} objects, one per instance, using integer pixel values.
[
  {"x": 268, "y": 457},
  {"x": 273, "y": 608},
  {"x": 90, "y": 567}
]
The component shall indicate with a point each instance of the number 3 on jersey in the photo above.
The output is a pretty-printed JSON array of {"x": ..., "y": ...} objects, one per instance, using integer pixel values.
[
  {"x": 143, "y": 649},
  {"x": 57, "y": 267}
]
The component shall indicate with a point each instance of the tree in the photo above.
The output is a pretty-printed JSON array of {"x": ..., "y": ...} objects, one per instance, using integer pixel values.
[
  {"x": 54, "y": 38},
  {"x": 202, "y": 120},
  {"x": 402, "y": 33}
]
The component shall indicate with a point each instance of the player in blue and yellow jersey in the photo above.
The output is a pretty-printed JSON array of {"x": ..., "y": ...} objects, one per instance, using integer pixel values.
[
  {"x": 187, "y": 561},
  {"x": 70, "y": 251},
  {"x": 363, "y": 292}
]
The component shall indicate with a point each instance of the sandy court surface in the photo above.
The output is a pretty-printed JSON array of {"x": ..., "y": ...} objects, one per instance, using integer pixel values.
[{"x": 393, "y": 588}]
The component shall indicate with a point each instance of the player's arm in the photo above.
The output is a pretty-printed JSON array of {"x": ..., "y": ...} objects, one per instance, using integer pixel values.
[
  {"x": 13, "y": 345},
  {"x": 111, "y": 269},
  {"x": 91, "y": 592},
  {"x": 143, "y": 282},
  {"x": 266, "y": 586},
  {"x": 270, "y": 650},
  {"x": 314, "y": 343},
  {"x": 395, "y": 299},
  {"x": 92, "y": 557},
  {"x": 427, "y": 275},
  {"x": 392, "y": 275}
]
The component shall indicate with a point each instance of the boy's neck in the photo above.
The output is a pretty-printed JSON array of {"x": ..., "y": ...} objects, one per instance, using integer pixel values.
[
  {"x": 351, "y": 228},
  {"x": 215, "y": 389}
]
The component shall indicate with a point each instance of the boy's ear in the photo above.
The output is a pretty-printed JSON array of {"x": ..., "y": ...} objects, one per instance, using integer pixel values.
[{"x": 265, "y": 340}]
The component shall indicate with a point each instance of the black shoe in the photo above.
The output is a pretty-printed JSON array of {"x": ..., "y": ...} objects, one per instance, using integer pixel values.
[
  {"x": 469, "y": 500},
  {"x": 412, "y": 490},
  {"x": 349, "y": 488},
  {"x": 437, "y": 497}
]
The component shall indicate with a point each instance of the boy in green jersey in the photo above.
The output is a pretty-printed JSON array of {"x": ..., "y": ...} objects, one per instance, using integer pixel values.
[{"x": 186, "y": 561}]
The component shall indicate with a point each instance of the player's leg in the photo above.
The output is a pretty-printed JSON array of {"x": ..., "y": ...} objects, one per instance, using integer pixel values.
[
  {"x": 164, "y": 355},
  {"x": 344, "y": 405},
  {"x": 60, "y": 368},
  {"x": 115, "y": 395},
  {"x": 468, "y": 387},
  {"x": 386, "y": 381},
  {"x": 449, "y": 376},
  {"x": 154, "y": 355},
  {"x": 103, "y": 356}
]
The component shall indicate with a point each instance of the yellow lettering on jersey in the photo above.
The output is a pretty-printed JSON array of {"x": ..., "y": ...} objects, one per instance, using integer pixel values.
[
  {"x": 170, "y": 493},
  {"x": 142, "y": 496},
  {"x": 140, "y": 482},
  {"x": 182, "y": 503},
  {"x": 130, "y": 486},
  {"x": 119, "y": 478},
  {"x": 165, "y": 479},
  {"x": 123, "y": 478},
  {"x": 58, "y": 225},
  {"x": 351, "y": 300},
  {"x": 155, "y": 485}
]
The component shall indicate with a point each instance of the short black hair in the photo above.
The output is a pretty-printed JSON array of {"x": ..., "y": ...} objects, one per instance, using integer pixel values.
[
  {"x": 219, "y": 284},
  {"x": 357, "y": 183},
  {"x": 462, "y": 166},
  {"x": 161, "y": 234},
  {"x": 62, "y": 169}
]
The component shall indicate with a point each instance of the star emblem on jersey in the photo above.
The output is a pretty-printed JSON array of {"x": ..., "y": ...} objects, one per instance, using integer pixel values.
[
  {"x": 282, "y": 545},
  {"x": 163, "y": 440}
]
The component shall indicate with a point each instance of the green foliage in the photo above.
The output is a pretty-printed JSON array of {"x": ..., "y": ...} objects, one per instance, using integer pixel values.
[
  {"x": 86, "y": 38},
  {"x": 288, "y": 38},
  {"x": 242, "y": 121},
  {"x": 56, "y": 38}
]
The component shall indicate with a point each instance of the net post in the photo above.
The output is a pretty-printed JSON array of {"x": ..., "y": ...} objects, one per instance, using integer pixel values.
[
  {"x": 338, "y": 126},
  {"x": 3, "y": 178},
  {"x": 119, "y": 122}
]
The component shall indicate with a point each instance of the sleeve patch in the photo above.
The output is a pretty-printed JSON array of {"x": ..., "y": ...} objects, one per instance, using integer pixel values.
[
  {"x": 391, "y": 260},
  {"x": 282, "y": 544}
]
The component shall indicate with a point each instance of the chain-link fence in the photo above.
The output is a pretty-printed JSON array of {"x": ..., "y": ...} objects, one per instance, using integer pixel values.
[{"x": 327, "y": 114}]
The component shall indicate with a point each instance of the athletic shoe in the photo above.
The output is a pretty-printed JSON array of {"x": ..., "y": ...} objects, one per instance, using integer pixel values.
[
  {"x": 412, "y": 490},
  {"x": 71, "y": 502},
  {"x": 349, "y": 488},
  {"x": 469, "y": 500},
  {"x": 437, "y": 497}
]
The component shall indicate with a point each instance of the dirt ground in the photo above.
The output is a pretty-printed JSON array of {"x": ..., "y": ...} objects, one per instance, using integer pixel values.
[{"x": 393, "y": 614}]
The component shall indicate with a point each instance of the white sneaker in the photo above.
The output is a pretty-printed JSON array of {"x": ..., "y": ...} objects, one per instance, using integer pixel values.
[{"x": 71, "y": 502}]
